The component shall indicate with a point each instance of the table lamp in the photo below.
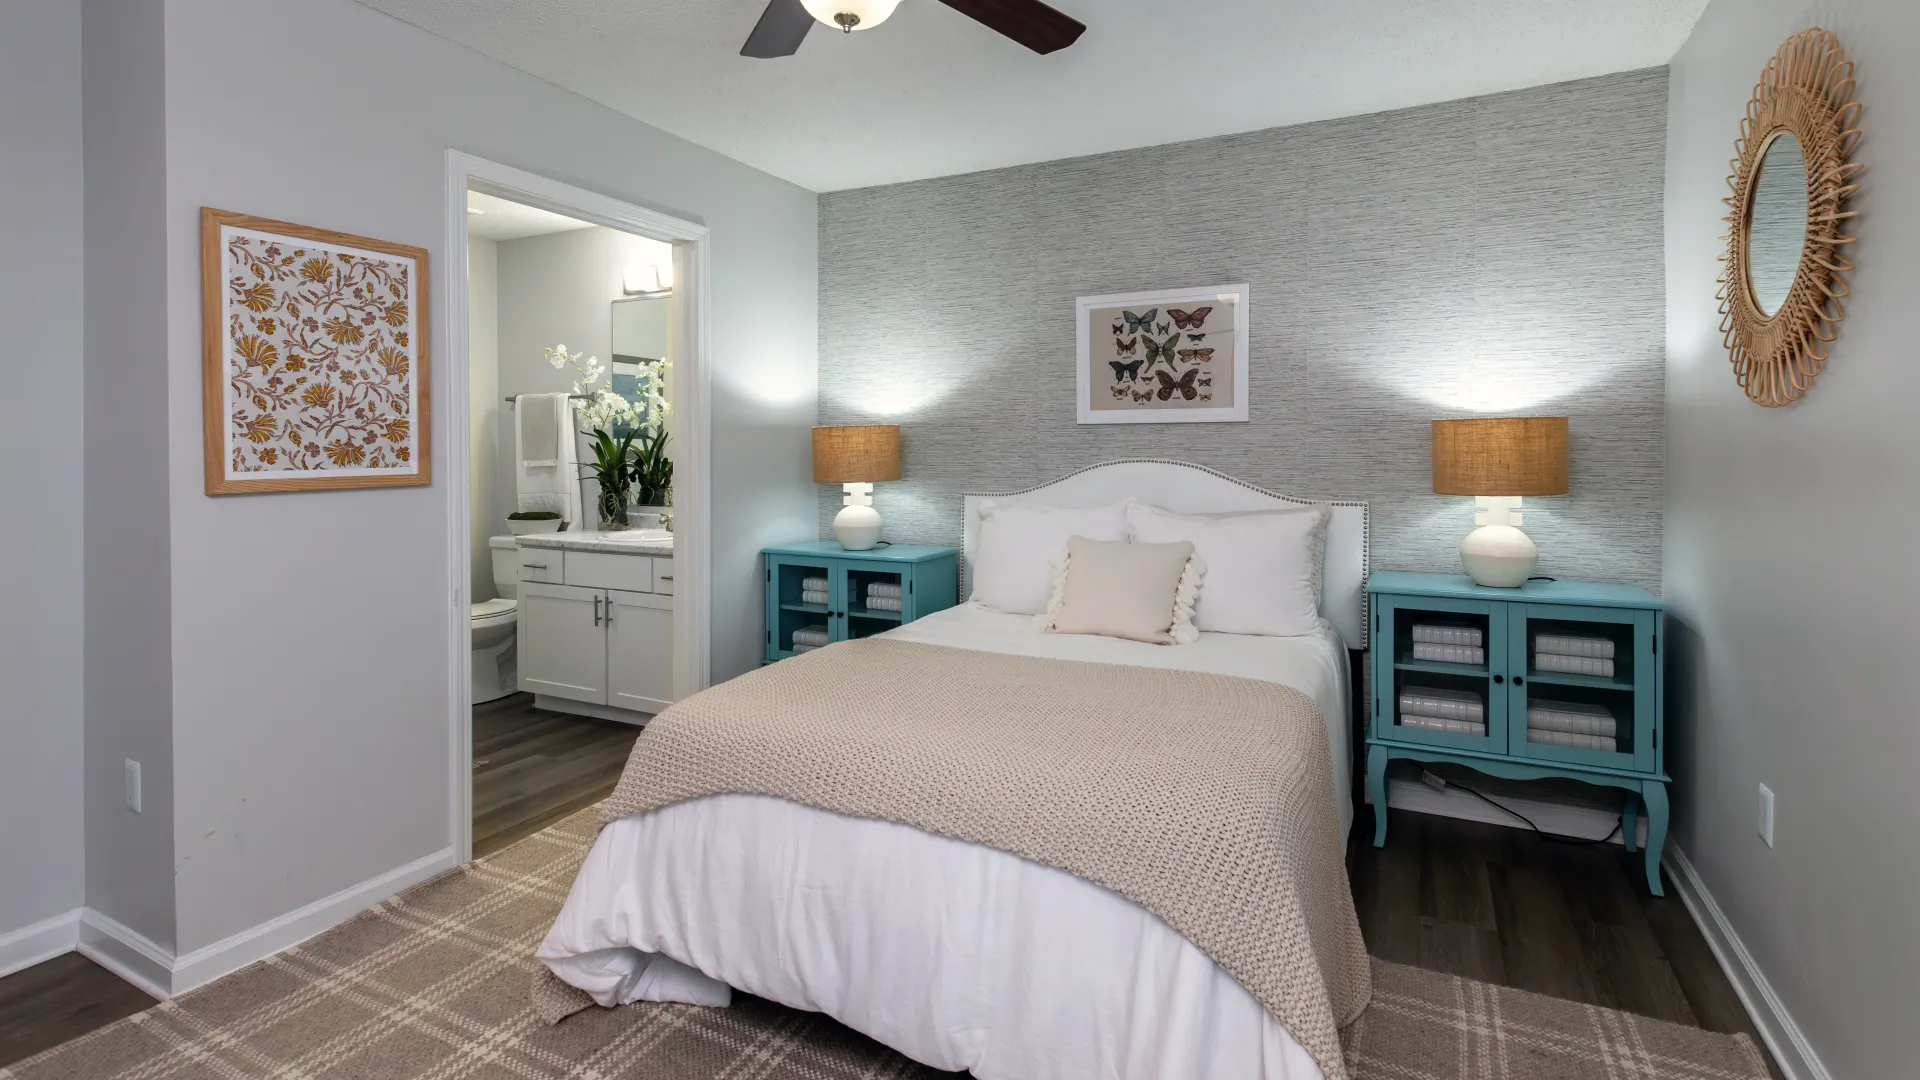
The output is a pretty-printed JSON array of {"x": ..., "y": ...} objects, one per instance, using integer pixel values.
[
  {"x": 1499, "y": 460},
  {"x": 856, "y": 458}
]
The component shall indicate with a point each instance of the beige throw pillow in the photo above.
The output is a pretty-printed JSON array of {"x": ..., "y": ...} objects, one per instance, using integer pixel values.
[{"x": 1141, "y": 592}]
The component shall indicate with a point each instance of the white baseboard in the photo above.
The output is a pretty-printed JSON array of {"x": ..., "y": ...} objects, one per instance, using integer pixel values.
[
  {"x": 588, "y": 708},
  {"x": 126, "y": 952},
  {"x": 42, "y": 941},
  {"x": 1783, "y": 1036},
  {"x": 203, "y": 965},
  {"x": 1562, "y": 818},
  {"x": 154, "y": 969}
]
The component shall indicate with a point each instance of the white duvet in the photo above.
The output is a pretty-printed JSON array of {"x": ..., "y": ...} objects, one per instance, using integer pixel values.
[{"x": 959, "y": 956}]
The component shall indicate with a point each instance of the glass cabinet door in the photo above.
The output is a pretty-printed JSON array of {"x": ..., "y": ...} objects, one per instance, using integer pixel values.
[
  {"x": 1584, "y": 685},
  {"x": 877, "y": 598},
  {"x": 800, "y": 601},
  {"x": 1438, "y": 677}
]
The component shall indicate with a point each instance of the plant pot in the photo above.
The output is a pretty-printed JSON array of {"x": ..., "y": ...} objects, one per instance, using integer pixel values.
[
  {"x": 529, "y": 528},
  {"x": 613, "y": 509}
]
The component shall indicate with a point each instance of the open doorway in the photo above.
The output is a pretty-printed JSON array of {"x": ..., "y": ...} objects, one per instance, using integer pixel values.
[{"x": 579, "y": 349}]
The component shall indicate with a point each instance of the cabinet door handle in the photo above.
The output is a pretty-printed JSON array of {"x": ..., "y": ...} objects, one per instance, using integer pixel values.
[
  {"x": 665, "y": 577},
  {"x": 1499, "y": 678},
  {"x": 1519, "y": 681},
  {"x": 596, "y": 611},
  {"x": 533, "y": 566}
]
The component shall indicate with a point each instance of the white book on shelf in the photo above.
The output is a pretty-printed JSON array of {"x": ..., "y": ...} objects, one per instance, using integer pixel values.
[
  {"x": 1573, "y": 665},
  {"x": 883, "y": 588},
  {"x": 813, "y": 584},
  {"x": 1570, "y": 716},
  {"x": 1448, "y": 635},
  {"x": 1565, "y": 645},
  {"x": 1449, "y": 654},
  {"x": 1444, "y": 704},
  {"x": 1574, "y": 739},
  {"x": 1435, "y": 723},
  {"x": 883, "y": 603}
]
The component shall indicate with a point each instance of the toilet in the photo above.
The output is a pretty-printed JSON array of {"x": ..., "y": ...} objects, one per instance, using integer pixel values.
[{"x": 493, "y": 623}]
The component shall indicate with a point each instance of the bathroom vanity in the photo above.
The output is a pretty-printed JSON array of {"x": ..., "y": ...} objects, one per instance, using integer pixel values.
[{"x": 596, "y": 622}]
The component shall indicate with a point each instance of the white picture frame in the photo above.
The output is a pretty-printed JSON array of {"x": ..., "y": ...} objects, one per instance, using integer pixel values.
[{"x": 1172, "y": 371}]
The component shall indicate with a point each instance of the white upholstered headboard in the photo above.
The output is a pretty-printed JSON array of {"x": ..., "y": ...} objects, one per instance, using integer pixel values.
[{"x": 1194, "y": 489}]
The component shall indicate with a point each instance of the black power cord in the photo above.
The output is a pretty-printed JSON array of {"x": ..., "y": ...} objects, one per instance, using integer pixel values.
[{"x": 1551, "y": 838}]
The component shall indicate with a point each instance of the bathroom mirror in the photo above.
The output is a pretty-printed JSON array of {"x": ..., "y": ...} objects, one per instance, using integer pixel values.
[
  {"x": 1776, "y": 222},
  {"x": 1782, "y": 292},
  {"x": 640, "y": 338}
]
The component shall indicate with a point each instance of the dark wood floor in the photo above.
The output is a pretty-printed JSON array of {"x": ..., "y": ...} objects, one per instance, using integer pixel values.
[
  {"x": 62, "y": 999},
  {"x": 1491, "y": 903},
  {"x": 532, "y": 767}
]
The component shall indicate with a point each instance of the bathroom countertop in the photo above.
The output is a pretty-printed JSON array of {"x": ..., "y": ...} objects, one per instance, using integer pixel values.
[{"x": 598, "y": 541}]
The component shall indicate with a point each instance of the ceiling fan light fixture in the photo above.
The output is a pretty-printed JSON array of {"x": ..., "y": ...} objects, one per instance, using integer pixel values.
[{"x": 850, "y": 15}]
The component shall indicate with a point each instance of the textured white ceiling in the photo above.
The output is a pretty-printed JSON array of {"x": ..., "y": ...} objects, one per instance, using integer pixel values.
[
  {"x": 930, "y": 92},
  {"x": 501, "y": 219}
]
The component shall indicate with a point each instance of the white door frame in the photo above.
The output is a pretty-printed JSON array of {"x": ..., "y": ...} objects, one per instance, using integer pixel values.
[{"x": 690, "y": 386}]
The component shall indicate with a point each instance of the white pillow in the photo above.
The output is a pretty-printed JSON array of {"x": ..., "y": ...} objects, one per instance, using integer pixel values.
[
  {"x": 1141, "y": 592},
  {"x": 1263, "y": 569},
  {"x": 1014, "y": 552}
]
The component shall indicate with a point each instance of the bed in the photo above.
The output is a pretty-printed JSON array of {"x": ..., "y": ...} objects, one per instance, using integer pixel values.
[{"x": 962, "y": 955}]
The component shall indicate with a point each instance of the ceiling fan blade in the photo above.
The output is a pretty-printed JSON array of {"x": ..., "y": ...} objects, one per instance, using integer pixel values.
[
  {"x": 1029, "y": 22},
  {"x": 781, "y": 29}
]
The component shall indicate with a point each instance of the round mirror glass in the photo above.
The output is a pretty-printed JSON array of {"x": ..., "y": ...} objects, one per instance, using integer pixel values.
[{"x": 1776, "y": 223}]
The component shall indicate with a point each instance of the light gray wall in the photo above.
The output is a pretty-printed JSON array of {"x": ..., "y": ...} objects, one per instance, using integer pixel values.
[
  {"x": 42, "y": 425},
  {"x": 557, "y": 289},
  {"x": 1497, "y": 255},
  {"x": 128, "y": 550},
  {"x": 310, "y": 631},
  {"x": 1790, "y": 561},
  {"x": 484, "y": 410}
]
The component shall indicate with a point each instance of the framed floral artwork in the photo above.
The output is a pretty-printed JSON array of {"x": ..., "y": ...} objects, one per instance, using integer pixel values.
[
  {"x": 315, "y": 358},
  {"x": 1177, "y": 356}
]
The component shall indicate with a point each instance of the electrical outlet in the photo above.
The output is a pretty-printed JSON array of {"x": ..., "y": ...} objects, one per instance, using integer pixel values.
[
  {"x": 133, "y": 785},
  {"x": 1766, "y": 814}
]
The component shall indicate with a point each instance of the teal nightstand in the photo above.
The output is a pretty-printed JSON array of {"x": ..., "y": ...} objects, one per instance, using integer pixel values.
[
  {"x": 1531, "y": 723},
  {"x": 927, "y": 579}
]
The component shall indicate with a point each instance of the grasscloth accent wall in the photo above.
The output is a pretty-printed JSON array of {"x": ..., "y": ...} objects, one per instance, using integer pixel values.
[{"x": 1492, "y": 256}]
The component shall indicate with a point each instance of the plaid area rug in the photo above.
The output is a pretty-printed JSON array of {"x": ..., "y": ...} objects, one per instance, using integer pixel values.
[{"x": 433, "y": 985}]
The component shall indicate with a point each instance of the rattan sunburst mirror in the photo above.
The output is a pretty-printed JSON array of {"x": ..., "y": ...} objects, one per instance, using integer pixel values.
[{"x": 1782, "y": 295}]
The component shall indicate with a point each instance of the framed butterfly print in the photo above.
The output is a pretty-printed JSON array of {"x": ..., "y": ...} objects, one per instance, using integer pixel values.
[{"x": 1178, "y": 356}]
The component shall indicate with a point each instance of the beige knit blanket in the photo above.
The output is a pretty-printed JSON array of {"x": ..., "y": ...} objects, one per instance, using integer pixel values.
[{"x": 1206, "y": 799}]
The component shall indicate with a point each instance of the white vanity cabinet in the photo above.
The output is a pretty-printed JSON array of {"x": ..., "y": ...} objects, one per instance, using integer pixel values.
[
  {"x": 639, "y": 651},
  {"x": 597, "y": 628},
  {"x": 563, "y": 641}
]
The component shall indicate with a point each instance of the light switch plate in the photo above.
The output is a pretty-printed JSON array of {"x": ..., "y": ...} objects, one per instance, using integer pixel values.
[
  {"x": 133, "y": 785},
  {"x": 1766, "y": 814}
]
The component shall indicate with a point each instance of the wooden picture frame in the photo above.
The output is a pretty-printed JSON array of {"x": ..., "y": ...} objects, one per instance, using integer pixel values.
[
  {"x": 1185, "y": 362},
  {"x": 1806, "y": 92},
  {"x": 315, "y": 358}
]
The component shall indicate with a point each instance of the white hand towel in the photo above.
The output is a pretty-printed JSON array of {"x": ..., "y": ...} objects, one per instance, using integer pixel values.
[
  {"x": 555, "y": 486},
  {"x": 538, "y": 441}
]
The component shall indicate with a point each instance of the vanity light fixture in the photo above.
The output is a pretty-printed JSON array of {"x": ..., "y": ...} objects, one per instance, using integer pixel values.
[
  {"x": 856, "y": 458},
  {"x": 850, "y": 15},
  {"x": 647, "y": 281},
  {"x": 1498, "y": 461}
]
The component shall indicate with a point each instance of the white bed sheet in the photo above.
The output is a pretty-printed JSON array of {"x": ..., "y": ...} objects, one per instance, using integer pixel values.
[{"x": 960, "y": 956}]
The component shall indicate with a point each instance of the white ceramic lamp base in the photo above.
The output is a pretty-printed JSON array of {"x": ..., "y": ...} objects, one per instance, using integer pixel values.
[
  {"x": 857, "y": 525},
  {"x": 1498, "y": 554}
]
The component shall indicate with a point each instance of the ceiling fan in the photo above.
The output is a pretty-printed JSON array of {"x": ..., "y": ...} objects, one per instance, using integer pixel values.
[{"x": 785, "y": 22}]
